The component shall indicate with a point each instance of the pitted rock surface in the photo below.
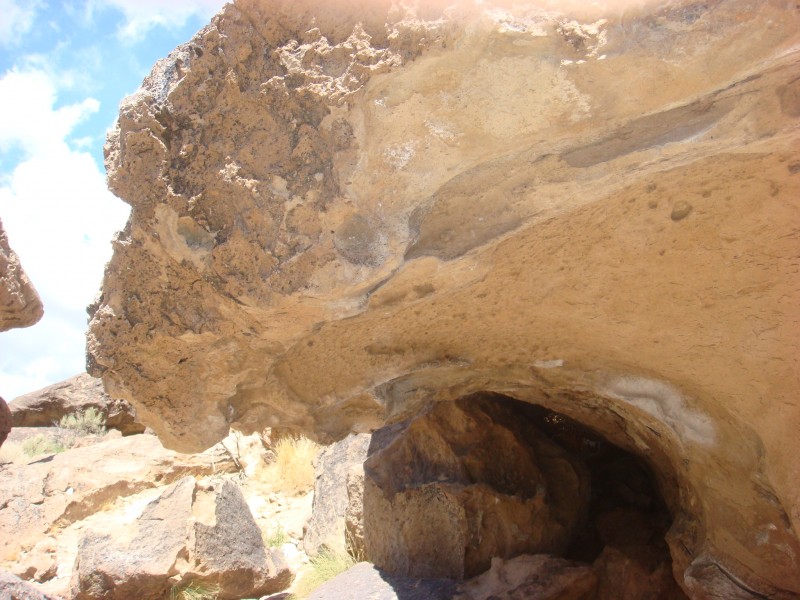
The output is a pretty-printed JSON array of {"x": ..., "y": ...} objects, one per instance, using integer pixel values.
[
  {"x": 20, "y": 305},
  {"x": 343, "y": 213}
]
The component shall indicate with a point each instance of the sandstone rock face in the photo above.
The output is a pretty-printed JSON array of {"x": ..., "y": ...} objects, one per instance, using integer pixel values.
[
  {"x": 191, "y": 533},
  {"x": 77, "y": 394},
  {"x": 463, "y": 483},
  {"x": 20, "y": 305},
  {"x": 343, "y": 213}
]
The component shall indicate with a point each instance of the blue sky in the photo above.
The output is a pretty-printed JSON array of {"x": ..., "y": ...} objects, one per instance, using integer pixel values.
[{"x": 64, "y": 67}]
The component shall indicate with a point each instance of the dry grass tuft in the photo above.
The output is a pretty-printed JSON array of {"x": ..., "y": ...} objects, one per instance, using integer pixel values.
[
  {"x": 12, "y": 452},
  {"x": 195, "y": 590},
  {"x": 292, "y": 472},
  {"x": 326, "y": 565}
]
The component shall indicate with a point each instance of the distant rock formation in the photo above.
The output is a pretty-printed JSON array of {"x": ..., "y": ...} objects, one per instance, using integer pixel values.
[
  {"x": 344, "y": 213},
  {"x": 47, "y": 406}
]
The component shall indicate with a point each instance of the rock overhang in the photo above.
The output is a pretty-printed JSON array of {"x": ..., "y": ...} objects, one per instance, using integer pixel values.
[{"x": 346, "y": 218}]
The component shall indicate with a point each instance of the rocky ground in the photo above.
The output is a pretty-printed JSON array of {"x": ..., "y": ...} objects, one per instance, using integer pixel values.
[{"x": 61, "y": 488}]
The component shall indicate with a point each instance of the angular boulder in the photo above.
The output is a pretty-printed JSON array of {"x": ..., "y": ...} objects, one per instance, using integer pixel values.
[
  {"x": 13, "y": 588},
  {"x": 48, "y": 494},
  {"x": 192, "y": 533},
  {"x": 334, "y": 522},
  {"x": 77, "y": 394},
  {"x": 344, "y": 212}
]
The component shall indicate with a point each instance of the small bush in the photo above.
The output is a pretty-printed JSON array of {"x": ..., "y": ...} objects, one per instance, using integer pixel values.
[
  {"x": 195, "y": 590},
  {"x": 326, "y": 565},
  {"x": 41, "y": 444},
  {"x": 292, "y": 472},
  {"x": 87, "y": 422},
  {"x": 277, "y": 537}
]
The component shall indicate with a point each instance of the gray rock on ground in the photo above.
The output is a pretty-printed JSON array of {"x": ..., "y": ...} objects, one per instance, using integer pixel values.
[
  {"x": 13, "y": 588},
  {"x": 193, "y": 533},
  {"x": 365, "y": 580},
  {"x": 337, "y": 465}
]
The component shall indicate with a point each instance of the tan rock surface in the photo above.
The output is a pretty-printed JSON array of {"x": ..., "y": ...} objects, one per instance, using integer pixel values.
[
  {"x": 342, "y": 214},
  {"x": 20, "y": 305},
  {"x": 50, "y": 493}
]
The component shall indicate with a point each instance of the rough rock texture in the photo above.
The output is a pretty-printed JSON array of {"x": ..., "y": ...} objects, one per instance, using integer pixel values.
[
  {"x": 225, "y": 548},
  {"x": 13, "y": 588},
  {"x": 40, "y": 563},
  {"x": 136, "y": 561},
  {"x": 633, "y": 575},
  {"x": 49, "y": 493},
  {"x": 541, "y": 576},
  {"x": 464, "y": 482},
  {"x": 343, "y": 212},
  {"x": 190, "y": 533},
  {"x": 364, "y": 580},
  {"x": 6, "y": 421},
  {"x": 334, "y": 471},
  {"x": 77, "y": 394},
  {"x": 20, "y": 305}
]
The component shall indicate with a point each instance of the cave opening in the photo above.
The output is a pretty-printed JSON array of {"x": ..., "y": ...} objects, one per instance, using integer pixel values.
[
  {"x": 488, "y": 476},
  {"x": 624, "y": 532}
]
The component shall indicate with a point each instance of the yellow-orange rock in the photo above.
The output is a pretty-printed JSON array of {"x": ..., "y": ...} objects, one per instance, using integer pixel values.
[{"x": 342, "y": 214}]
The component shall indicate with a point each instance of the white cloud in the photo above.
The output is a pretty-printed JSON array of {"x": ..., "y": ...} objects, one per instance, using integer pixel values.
[
  {"x": 143, "y": 15},
  {"x": 60, "y": 218},
  {"x": 17, "y": 19}
]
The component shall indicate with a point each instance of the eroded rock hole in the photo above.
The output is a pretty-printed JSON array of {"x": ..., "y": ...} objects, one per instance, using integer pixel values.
[{"x": 488, "y": 476}]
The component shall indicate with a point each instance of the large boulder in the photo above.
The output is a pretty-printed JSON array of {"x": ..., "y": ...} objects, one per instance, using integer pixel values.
[
  {"x": 20, "y": 305},
  {"x": 335, "y": 470},
  {"x": 48, "y": 494},
  {"x": 343, "y": 212},
  {"x": 191, "y": 534},
  {"x": 77, "y": 394}
]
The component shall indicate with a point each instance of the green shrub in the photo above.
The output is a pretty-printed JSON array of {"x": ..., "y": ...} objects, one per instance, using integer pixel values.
[
  {"x": 89, "y": 421},
  {"x": 277, "y": 537},
  {"x": 41, "y": 444}
]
